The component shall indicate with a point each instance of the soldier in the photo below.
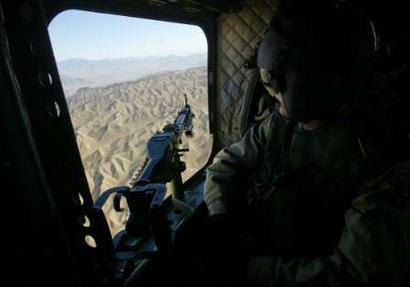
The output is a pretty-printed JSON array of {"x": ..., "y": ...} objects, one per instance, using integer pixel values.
[{"x": 327, "y": 205}]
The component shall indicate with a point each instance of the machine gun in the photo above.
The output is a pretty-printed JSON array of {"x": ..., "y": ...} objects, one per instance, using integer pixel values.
[
  {"x": 146, "y": 195},
  {"x": 163, "y": 164}
]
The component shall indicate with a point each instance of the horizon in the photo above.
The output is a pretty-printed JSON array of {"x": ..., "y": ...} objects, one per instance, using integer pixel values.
[{"x": 135, "y": 57}]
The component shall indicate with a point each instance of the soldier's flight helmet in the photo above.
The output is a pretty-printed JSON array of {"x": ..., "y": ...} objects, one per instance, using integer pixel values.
[{"x": 309, "y": 62}]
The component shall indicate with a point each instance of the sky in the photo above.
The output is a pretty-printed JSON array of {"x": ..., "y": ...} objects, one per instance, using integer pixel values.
[{"x": 90, "y": 35}]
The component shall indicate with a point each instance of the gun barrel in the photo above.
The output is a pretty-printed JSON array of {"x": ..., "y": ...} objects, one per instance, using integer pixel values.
[{"x": 189, "y": 126}]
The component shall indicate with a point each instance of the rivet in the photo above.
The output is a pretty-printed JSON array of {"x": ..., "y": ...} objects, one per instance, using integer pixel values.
[
  {"x": 85, "y": 221},
  {"x": 53, "y": 109},
  {"x": 45, "y": 79},
  {"x": 57, "y": 109},
  {"x": 78, "y": 199},
  {"x": 90, "y": 241}
]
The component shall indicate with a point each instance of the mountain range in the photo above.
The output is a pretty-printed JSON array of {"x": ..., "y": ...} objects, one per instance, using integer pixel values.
[{"x": 78, "y": 73}]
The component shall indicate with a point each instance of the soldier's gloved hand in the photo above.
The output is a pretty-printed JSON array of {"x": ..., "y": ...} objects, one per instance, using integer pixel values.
[{"x": 226, "y": 256}]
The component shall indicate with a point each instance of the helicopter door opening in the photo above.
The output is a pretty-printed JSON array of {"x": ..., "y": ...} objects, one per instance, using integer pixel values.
[{"x": 124, "y": 79}]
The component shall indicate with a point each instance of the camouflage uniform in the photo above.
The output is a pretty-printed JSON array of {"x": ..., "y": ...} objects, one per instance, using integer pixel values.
[{"x": 326, "y": 210}]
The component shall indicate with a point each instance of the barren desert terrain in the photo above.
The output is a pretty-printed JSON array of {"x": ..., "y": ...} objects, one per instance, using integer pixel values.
[{"x": 113, "y": 123}]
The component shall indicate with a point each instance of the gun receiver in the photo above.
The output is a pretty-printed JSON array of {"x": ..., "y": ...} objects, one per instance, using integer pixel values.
[{"x": 164, "y": 151}]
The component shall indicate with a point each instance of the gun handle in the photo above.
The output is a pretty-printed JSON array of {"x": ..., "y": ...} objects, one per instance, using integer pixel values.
[{"x": 176, "y": 187}]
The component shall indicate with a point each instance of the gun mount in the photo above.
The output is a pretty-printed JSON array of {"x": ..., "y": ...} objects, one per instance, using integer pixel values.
[{"x": 145, "y": 197}]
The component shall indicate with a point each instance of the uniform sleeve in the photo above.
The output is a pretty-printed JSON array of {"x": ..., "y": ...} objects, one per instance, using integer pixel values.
[
  {"x": 232, "y": 163},
  {"x": 374, "y": 249}
]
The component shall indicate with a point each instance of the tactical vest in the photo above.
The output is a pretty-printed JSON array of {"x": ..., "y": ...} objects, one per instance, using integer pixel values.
[{"x": 305, "y": 184}]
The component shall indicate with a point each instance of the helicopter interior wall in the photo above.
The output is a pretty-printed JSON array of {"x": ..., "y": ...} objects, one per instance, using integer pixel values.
[
  {"x": 238, "y": 33},
  {"x": 36, "y": 242}
]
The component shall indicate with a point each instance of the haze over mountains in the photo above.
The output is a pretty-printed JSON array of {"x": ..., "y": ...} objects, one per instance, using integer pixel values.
[{"x": 77, "y": 73}]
